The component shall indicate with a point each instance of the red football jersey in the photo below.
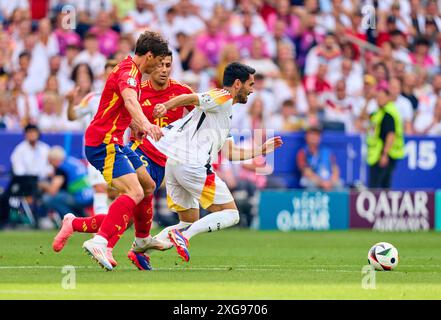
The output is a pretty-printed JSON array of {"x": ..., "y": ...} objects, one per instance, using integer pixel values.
[
  {"x": 149, "y": 99},
  {"x": 112, "y": 117}
]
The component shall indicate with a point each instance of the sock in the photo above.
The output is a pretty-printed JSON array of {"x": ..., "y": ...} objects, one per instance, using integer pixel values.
[
  {"x": 114, "y": 240},
  {"x": 89, "y": 224},
  {"x": 100, "y": 203},
  {"x": 143, "y": 217},
  {"x": 213, "y": 222},
  {"x": 120, "y": 212},
  {"x": 181, "y": 226}
]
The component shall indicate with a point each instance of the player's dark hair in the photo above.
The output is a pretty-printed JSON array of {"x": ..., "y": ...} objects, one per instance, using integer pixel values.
[
  {"x": 152, "y": 42},
  {"x": 236, "y": 70}
]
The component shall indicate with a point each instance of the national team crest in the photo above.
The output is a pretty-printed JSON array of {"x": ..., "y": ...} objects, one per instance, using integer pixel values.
[{"x": 132, "y": 82}]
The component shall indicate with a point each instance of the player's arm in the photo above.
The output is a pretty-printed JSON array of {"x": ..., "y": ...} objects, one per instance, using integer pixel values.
[
  {"x": 236, "y": 153},
  {"x": 139, "y": 121},
  {"x": 179, "y": 101}
]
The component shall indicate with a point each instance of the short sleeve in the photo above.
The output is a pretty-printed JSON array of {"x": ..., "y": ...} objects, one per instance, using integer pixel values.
[
  {"x": 127, "y": 78},
  {"x": 210, "y": 101},
  {"x": 85, "y": 106}
]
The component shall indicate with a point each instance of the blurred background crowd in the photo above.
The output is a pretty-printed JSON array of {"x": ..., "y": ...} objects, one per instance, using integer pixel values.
[
  {"x": 316, "y": 60},
  {"x": 321, "y": 64}
]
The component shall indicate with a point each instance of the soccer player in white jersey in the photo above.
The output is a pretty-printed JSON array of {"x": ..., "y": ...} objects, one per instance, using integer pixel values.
[
  {"x": 192, "y": 142},
  {"x": 86, "y": 110}
]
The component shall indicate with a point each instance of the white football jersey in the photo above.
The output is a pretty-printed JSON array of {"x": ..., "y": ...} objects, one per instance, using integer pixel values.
[
  {"x": 197, "y": 138},
  {"x": 88, "y": 107}
]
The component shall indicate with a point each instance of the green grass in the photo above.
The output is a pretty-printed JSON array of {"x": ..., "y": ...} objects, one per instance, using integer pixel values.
[{"x": 231, "y": 264}]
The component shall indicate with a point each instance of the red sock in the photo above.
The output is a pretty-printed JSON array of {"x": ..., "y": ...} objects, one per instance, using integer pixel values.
[
  {"x": 114, "y": 240},
  {"x": 143, "y": 216},
  {"x": 89, "y": 224},
  {"x": 120, "y": 212}
]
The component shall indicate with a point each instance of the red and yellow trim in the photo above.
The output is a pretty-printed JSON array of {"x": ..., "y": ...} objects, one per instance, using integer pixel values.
[
  {"x": 111, "y": 103},
  {"x": 219, "y": 96},
  {"x": 109, "y": 163},
  {"x": 209, "y": 191},
  {"x": 174, "y": 206},
  {"x": 108, "y": 136}
]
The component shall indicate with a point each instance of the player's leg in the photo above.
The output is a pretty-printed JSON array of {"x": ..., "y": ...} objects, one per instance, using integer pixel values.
[
  {"x": 186, "y": 219},
  {"x": 99, "y": 185},
  {"x": 221, "y": 216},
  {"x": 72, "y": 224},
  {"x": 120, "y": 174},
  {"x": 215, "y": 197}
]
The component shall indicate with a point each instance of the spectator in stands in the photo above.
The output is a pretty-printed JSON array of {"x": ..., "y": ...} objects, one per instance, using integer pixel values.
[
  {"x": 317, "y": 164},
  {"x": 46, "y": 39},
  {"x": 403, "y": 105},
  {"x": 91, "y": 55},
  {"x": 229, "y": 53},
  {"x": 211, "y": 42},
  {"x": 339, "y": 108},
  {"x": 407, "y": 90},
  {"x": 420, "y": 57},
  {"x": 51, "y": 118},
  {"x": 288, "y": 120},
  {"x": 107, "y": 37},
  {"x": 65, "y": 36},
  {"x": 329, "y": 53},
  {"x": 25, "y": 104},
  {"x": 367, "y": 104},
  {"x": 434, "y": 128},
  {"x": 289, "y": 86},
  {"x": 260, "y": 60},
  {"x": 125, "y": 47},
  {"x": 385, "y": 143},
  {"x": 29, "y": 165},
  {"x": 318, "y": 82},
  {"x": 69, "y": 189},
  {"x": 139, "y": 18},
  {"x": 83, "y": 77}
]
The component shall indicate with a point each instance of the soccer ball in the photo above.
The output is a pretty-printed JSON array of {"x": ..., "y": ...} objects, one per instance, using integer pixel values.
[{"x": 383, "y": 256}]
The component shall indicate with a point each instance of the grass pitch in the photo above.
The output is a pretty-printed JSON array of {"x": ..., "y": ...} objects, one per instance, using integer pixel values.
[{"x": 231, "y": 264}]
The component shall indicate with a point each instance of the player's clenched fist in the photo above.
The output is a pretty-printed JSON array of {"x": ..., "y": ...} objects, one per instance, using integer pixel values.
[
  {"x": 159, "y": 111},
  {"x": 153, "y": 131}
]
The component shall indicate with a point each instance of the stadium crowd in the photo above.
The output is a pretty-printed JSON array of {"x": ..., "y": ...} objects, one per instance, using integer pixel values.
[{"x": 318, "y": 62}]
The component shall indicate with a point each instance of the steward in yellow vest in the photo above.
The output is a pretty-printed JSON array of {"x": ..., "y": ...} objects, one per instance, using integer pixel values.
[{"x": 385, "y": 141}]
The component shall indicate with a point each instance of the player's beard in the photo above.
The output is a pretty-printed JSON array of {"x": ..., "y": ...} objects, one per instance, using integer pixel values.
[{"x": 242, "y": 96}]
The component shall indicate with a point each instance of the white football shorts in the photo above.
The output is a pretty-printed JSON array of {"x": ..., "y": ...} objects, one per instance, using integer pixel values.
[{"x": 190, "y": 185}]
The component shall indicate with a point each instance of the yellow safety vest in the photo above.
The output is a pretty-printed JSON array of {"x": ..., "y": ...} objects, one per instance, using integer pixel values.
[{"x": 375, "y": 144}]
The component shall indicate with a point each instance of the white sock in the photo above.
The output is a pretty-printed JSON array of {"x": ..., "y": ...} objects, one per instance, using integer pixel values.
[
  {"x": 163, "y": 235},
  {"x": 142, "y": 242},
  {"x": 100, "y": 204},
  {"x": 100, "y": 239},
  {"x": 213, "y": 222}
]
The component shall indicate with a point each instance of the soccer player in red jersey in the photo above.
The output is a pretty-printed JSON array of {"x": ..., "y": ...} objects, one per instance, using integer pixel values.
[
  {"x": 122, "y": 169},
  {"x": 159, "y": 89}
]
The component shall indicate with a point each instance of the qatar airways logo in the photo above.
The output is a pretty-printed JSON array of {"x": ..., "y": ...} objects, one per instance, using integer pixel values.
[{"x": 393, "y": 210}]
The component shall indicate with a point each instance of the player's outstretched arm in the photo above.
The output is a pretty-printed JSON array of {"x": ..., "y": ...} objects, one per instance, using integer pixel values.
[
  {"x": 179, "y": 101},
  {"x": 235, "y": 153},
  {"x": 139, "y": 121}
]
